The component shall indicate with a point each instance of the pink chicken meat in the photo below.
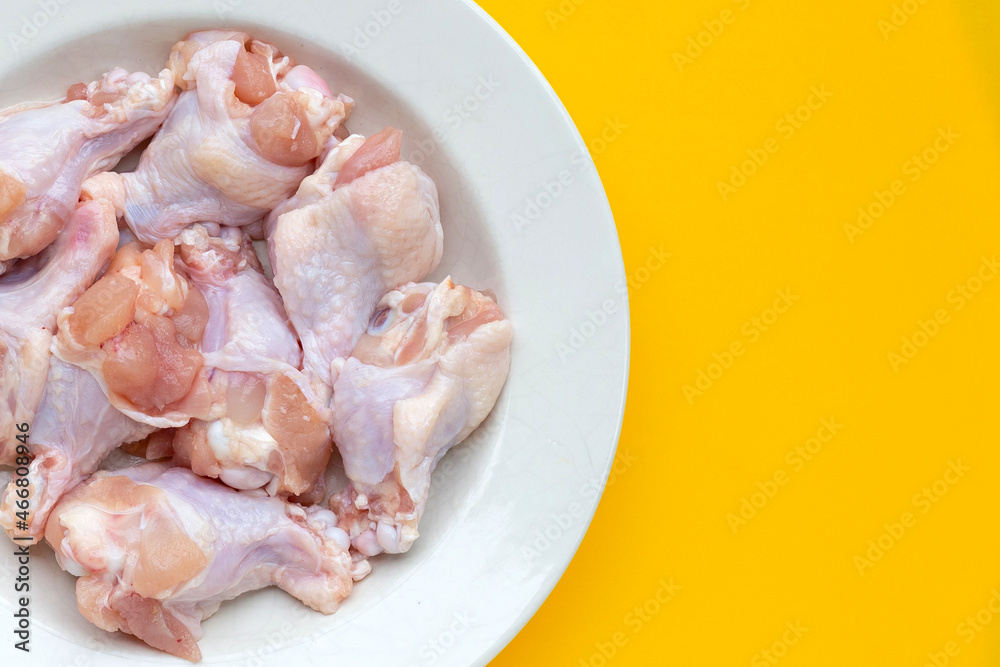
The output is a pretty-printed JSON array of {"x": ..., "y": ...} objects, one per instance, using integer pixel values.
[
  {"x": 73, "y": 431},
  {"x": 246, "y": 129},
  {"x": 267, "y": 430},
  {"x": 136, "y": 331},
  {"x": 31, "y": 298},
  {"x": 194, "y": 336},
  {"x": 47, "y": 150},
  {"x": 158, "y": 549},
  {"x": 364, "y": 223},
  {"x": 172, "y": 331},
  {"x": 424, "y": 375}
]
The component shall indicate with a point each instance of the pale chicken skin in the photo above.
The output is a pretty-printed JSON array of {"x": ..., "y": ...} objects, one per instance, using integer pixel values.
[
  {"x": 73, "y": 431},
  {"x": 47, "y": 150},
  {"x": 136, "y": 331},
  {"x": 158, "y": 549},
  {"x": 194, "y": 336},
  {"x": 364, "y": 223},
  {"x": 268, "y": 431},
  {"x": 30, "y": 299},
  {"x": 169, "y": 338},
  {"x": 246, "y": 129},
  {"x": 425, "y": 374}
]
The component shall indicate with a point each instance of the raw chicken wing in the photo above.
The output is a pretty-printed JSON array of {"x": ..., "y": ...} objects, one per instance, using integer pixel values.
[
  {"x": 245, "y": 131},
  {"x": 31, "y": 297},
  {"x": 158, "y": 549},
  {"x": 269, "y": 431},
  {"x": 74, "y": 429},
  {"x": 364, "y": 223},
  {"x": 47, "y": 150},
  {"x": 136, "y": 330},
  {"x": 421, "y": 379}
]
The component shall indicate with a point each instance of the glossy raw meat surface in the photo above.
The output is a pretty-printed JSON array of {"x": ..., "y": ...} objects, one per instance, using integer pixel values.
[
  {"x": 158, "y": 549},
  {"x": 268, "y": 431},
  {"x": 343, "y": 242},
  {"x": 136, "y": 331},
  {"x": 425, "y": 374},
  {"x": 236, "y": 375},
  {"x": 74, "y": 429},
  {"x": 194, "y": 336},
  {"x": 245, "y": 131},
  {"x": 30, "y": 299},
  {"x": 47, "y": 150}
]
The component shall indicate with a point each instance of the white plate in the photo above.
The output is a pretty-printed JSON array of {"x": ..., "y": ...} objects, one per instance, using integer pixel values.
[{"x": 512, "y": 504}]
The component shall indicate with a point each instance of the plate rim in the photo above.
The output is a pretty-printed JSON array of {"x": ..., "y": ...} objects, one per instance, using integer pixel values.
[{"x": 561, "y": 557}]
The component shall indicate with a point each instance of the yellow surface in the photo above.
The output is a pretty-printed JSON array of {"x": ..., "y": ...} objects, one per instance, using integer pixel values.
[{"x": 895, "y": 426}]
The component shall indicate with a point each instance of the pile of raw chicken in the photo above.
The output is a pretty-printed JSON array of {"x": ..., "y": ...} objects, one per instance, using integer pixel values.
[{"x": 136, "y": 310}]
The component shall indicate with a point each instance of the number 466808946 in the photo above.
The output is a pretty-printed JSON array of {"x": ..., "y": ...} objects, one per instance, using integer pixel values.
[{"x": 21, "y": 475}]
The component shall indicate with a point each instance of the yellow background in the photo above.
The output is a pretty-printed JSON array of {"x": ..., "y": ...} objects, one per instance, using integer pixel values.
[{"x": 691, "y": 463}]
